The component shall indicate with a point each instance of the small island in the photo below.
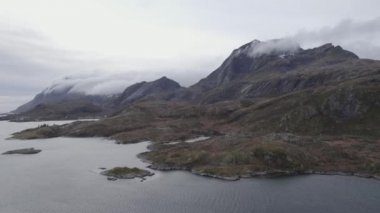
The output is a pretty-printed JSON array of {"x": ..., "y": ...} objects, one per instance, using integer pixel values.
[
  {"x": 126, "y": 173},
  {"x": 26, "y": 151}
]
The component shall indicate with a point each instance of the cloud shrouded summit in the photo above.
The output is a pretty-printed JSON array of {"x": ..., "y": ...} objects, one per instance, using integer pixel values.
[
  {"x": 361, "y": 37},
  {"x": 274, "y": 46},
  {"x": 90, "y": 85}
]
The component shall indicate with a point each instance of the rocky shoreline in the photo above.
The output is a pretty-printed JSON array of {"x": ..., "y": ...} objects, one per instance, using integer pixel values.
[
  {"x": 258, "y": 174},
  {"x": 262, "y": 174},
  {"x": 264, "y": 156}
]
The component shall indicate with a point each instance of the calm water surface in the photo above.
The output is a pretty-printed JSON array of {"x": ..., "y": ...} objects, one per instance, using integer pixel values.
[{"x": 64, "y": 177}]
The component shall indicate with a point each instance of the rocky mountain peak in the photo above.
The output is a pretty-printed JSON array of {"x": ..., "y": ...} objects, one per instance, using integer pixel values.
[
  {"x": 166, "y": 83},
  {"x": 331, "y": 51},
  {"x": 264, "y": 60},
  {"x": 249, "y": 58},
  {"x": 158, "y": 88},
  {"x": 257, "y": 48}
]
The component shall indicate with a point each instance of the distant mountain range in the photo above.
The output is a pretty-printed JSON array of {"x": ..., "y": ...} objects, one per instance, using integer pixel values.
[
  {"x": 60, "y": 102},
  {"x": 253, "y": 72}
]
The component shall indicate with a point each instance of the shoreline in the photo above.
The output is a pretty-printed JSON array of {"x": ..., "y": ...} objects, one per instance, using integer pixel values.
[
  {"x": 265, "y": 174},
  {"x": 258, "y": 174}
]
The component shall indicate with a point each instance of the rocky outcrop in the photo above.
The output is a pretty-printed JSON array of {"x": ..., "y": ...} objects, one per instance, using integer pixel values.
[
  {"x": 26, "y": 151},
  {"x": 126, "y": 173}
]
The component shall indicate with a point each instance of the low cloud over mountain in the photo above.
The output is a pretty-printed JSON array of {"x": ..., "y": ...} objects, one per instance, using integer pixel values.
[
  {"x": 31, "y": 60},
  {"x": 361, "y": 37}
]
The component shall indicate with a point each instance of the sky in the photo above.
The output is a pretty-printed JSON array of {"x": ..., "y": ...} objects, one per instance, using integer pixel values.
[{"x": 116, "y": 43}]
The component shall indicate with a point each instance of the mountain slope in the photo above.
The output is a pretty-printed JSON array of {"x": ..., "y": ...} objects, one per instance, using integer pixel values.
[
  {"x": 162, "y": 88},
  {"x": 244, "y": 76},
  {"x": 60, "y": 102},
  {"x": 56, "y": 103}
]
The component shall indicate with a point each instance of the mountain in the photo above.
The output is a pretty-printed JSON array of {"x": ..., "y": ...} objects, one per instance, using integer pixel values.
[
  {"x": 272, "y": 108},
  {"x": 162, "y": 89},
  {"x": 59, "y": 101},
  {"x": 62, "y": 97},
  {"x": 324, "y": 90},
  {"x": 245, "y": 74},
  {"x": 93, "y": 90}
]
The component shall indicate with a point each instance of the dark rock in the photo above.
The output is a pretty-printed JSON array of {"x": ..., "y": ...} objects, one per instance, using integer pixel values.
[
  {"x": 162, "y": 167},
  {"x": 363, "y": 175},
  {"x": 221, "y": 177},
  {"x": 25, "y": 151},
  {"x": 111, "y": 178}
]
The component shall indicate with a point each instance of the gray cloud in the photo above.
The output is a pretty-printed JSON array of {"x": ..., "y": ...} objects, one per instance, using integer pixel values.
[
  {"x": 361, "y": 37},
  {"x": 276, "y": 46},
  {"x": 8, "y": 103},
  {"x": 30, "y": 61},
  {"x": 96, "y": 84},
  {"x": 108, "y": 84}
]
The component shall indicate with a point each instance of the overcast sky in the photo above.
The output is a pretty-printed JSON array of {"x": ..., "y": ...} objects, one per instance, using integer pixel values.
[{"x": 126, "y": 41}]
